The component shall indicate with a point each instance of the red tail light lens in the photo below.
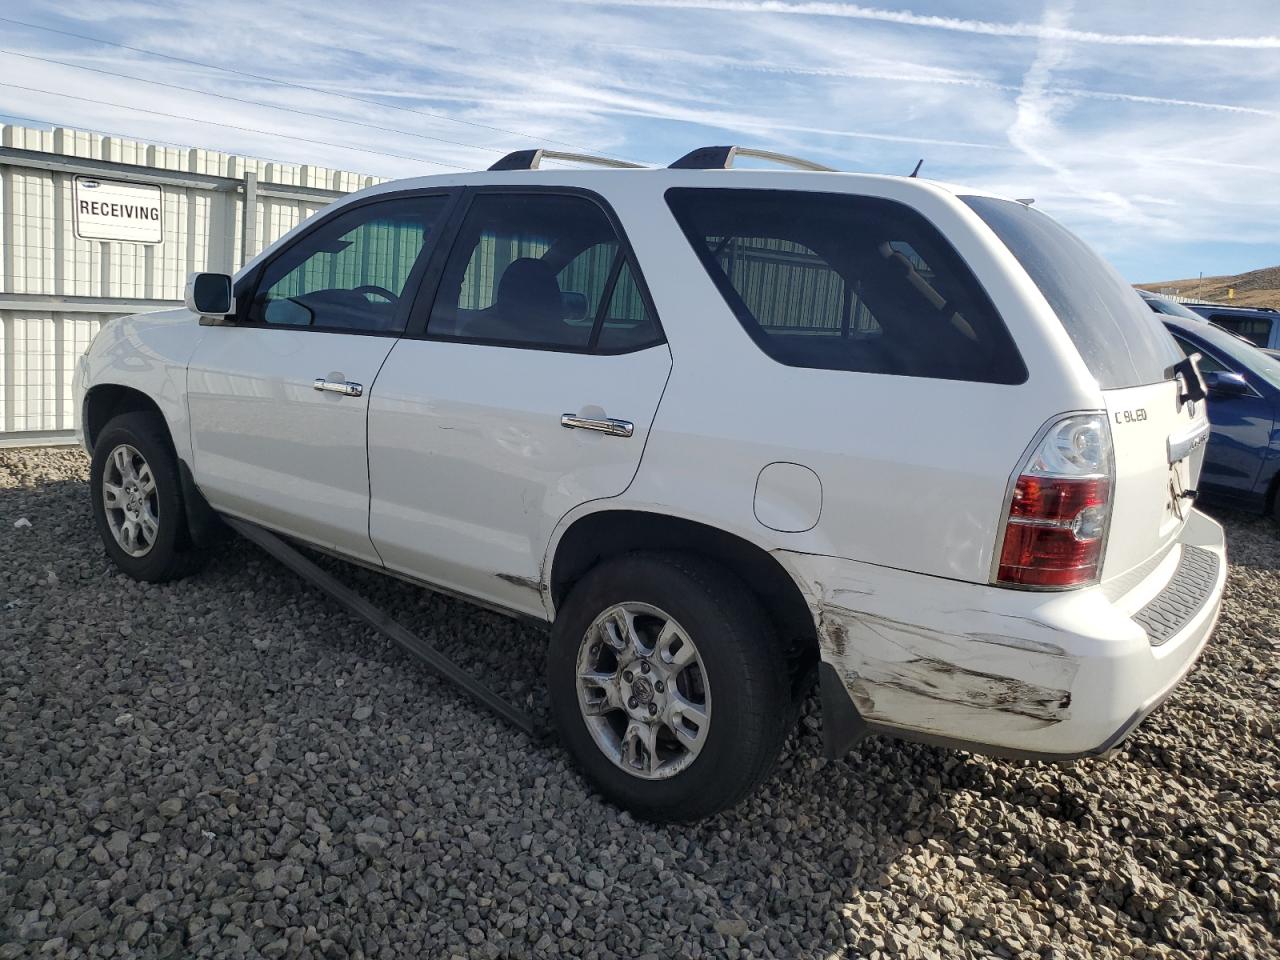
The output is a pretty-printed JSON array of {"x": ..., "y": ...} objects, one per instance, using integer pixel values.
[{"x": 1059, "y": 508}]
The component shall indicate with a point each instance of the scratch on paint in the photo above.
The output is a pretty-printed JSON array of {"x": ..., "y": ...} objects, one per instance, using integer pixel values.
[{"x": 874, "y": 667}]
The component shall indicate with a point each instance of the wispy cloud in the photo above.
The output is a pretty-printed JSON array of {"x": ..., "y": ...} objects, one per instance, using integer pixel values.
[
  {"x": 1040, "y": 31},
  {"x": 1151, "y": 152},
  {"x": 917, "y": 73},
  {"x": 1033, "y": 125}
]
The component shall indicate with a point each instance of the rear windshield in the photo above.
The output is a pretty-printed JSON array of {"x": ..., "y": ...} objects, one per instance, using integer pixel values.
[
  {"x": 1121, "y": 342},
  {"x": 843, "y": 282}
]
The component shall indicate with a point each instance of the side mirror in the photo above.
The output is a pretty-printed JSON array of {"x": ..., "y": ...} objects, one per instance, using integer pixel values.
[
  {"x": 1224, "y": 383},
  {"x": 210, "y": 295}
]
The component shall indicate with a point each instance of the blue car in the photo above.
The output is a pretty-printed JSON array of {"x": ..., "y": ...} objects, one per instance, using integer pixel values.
[{"x": 1242, "y": 462}]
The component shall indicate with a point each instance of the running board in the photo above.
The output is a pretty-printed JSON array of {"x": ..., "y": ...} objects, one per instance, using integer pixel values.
[{"x": 409, "y": 642}]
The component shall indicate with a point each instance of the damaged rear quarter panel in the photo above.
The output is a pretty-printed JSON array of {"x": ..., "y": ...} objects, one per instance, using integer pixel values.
[{"x": 954, "y": 667}]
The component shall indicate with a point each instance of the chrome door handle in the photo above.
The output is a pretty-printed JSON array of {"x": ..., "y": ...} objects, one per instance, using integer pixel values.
[
  {"x": 346, "y": 388},
  {"x": 613, "y": 428}
]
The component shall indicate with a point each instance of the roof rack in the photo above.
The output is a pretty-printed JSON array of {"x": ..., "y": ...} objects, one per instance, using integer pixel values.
[
  {"x": 532, "y": 160},
  {"x": 721, "y": 158}
]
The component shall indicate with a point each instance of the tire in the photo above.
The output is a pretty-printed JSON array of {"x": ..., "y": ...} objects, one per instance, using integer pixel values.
[
  {"x": 735, "y": 674},
  {"x": 151, "y": 503}
]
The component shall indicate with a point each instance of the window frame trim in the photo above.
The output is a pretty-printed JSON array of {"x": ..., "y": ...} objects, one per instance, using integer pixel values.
[
  {"x": 252, "y": 280},
  {"x": 750, "y": 324},
  {"x": 429, "y": 289}
]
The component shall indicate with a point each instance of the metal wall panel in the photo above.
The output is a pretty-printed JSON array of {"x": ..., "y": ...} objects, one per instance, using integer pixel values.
[{"x": 85, "y": 281}]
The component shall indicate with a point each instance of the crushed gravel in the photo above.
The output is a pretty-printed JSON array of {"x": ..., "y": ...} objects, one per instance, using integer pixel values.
[{"x": 232, "y": 766}]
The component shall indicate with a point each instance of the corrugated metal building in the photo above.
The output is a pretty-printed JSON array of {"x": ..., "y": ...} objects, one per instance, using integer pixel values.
[{"x": 59, "y": 281}]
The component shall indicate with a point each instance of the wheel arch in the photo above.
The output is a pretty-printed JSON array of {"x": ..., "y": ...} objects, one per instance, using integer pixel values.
[
  {"x": 104, "y": 401},
  {"x": 594, "y": 537}
]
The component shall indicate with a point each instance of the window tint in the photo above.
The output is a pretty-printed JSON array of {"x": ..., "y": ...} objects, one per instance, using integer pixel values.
[
  {"x": 540, "y": 270},
  {"x": 625, "y": 324},
  {"x": 1207, "y": 363},
  {"x": 846, "y": 283},
  {"x": 1257, "y": 330},
  {"x": 1243, "y": 355},
  {"x": 1119, "y": 340},
  {"x": 350, "y": 272}
]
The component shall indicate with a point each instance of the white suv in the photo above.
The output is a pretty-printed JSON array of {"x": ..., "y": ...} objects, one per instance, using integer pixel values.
[{"x": 724, "y": 430}]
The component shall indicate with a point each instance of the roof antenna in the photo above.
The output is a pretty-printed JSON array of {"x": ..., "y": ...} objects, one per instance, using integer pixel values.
[{"x": 918, "y": 166}]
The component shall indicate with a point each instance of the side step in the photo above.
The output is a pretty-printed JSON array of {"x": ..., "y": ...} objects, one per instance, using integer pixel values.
[{"x": 409, "y": 642}]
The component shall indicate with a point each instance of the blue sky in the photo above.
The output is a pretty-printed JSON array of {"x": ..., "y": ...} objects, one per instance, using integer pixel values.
[{"x": 1155, "y": 135}]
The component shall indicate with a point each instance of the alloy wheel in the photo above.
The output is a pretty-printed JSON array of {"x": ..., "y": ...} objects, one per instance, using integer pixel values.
[
  {"x": 643, "y": 691},
  {"x": 129, "y": 496}
]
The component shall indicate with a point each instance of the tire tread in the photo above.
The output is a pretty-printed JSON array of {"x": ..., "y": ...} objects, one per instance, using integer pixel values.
[
  {"x": 761, "y": 707},
  {"x": 184, "y": 557}
]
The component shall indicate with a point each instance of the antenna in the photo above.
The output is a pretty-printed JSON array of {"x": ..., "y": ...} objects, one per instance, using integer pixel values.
[{"x": 919, "y": 164}]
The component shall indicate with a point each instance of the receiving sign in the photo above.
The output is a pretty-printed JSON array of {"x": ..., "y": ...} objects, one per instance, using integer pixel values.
[{"x": 115, "y": 210}]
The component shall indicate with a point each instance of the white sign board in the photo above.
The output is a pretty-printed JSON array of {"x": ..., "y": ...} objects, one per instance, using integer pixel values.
[{"x": 115, "y": 210}]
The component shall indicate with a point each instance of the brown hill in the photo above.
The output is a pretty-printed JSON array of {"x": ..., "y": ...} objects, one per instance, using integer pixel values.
[{"x": 1257, "y": 288}]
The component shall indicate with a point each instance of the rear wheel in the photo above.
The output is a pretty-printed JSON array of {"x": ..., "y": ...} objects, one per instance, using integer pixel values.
[
  {"x": 137, "y": 500},
  {"x": 668, "y": 686}
]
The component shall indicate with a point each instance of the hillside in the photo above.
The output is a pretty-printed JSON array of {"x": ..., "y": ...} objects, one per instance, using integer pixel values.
[{"x": 1257, "y": 288}]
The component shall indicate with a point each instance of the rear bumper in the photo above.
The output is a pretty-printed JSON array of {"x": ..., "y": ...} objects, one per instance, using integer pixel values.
[{"x": 1007, "y": 672}]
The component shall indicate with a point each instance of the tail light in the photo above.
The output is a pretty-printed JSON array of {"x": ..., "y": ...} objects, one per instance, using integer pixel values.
[{"x": 1060, "y": 507}]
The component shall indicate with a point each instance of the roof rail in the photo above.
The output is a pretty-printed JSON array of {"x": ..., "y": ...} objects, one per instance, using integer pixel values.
[
  {"x": 532, "y": 160},
  {"x": 721, "y": 158}
]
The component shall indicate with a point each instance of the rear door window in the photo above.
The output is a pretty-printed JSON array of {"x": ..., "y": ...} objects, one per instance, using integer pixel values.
[
  {"x": 844, "y": 282},
  {"x": 545, "y": 271},
  {"x": 1119, "y": 339}
]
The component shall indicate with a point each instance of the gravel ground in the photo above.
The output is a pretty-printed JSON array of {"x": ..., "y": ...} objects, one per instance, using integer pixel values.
[{"x": 231, "y": 766}]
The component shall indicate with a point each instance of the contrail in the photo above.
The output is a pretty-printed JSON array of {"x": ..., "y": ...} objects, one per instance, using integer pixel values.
[
  {"x": 1033, "y": 31},
  {"x": 905, "y": 72}
]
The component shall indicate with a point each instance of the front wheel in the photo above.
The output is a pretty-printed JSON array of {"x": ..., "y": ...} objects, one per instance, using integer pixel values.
[
  {"x": 137, "y": 500},
  {"x": 668, "y": 685}
]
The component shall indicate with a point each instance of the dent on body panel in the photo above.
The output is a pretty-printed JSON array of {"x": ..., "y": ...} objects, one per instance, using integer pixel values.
[
  {"x": 528, "y": 583},
  {"x": 914, "y": 676}
]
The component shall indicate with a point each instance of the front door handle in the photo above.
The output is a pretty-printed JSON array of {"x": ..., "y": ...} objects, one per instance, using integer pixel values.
[
  {"x": 346, "y": 388},
  {"x": 605, "y": 425}
]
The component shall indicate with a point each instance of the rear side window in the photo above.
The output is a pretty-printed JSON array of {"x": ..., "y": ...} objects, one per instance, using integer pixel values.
[
  {"x": 1119, "y": 339},
  {"x": 841, "y": 282},
  {"x": 1256, "y": 330},
  {"x": 544, "y": 271}
]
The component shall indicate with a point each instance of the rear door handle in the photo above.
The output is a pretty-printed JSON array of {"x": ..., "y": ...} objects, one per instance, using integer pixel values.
[
  {"x": 346, "y": 388},
  {"x": 613, "y": 428}
]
